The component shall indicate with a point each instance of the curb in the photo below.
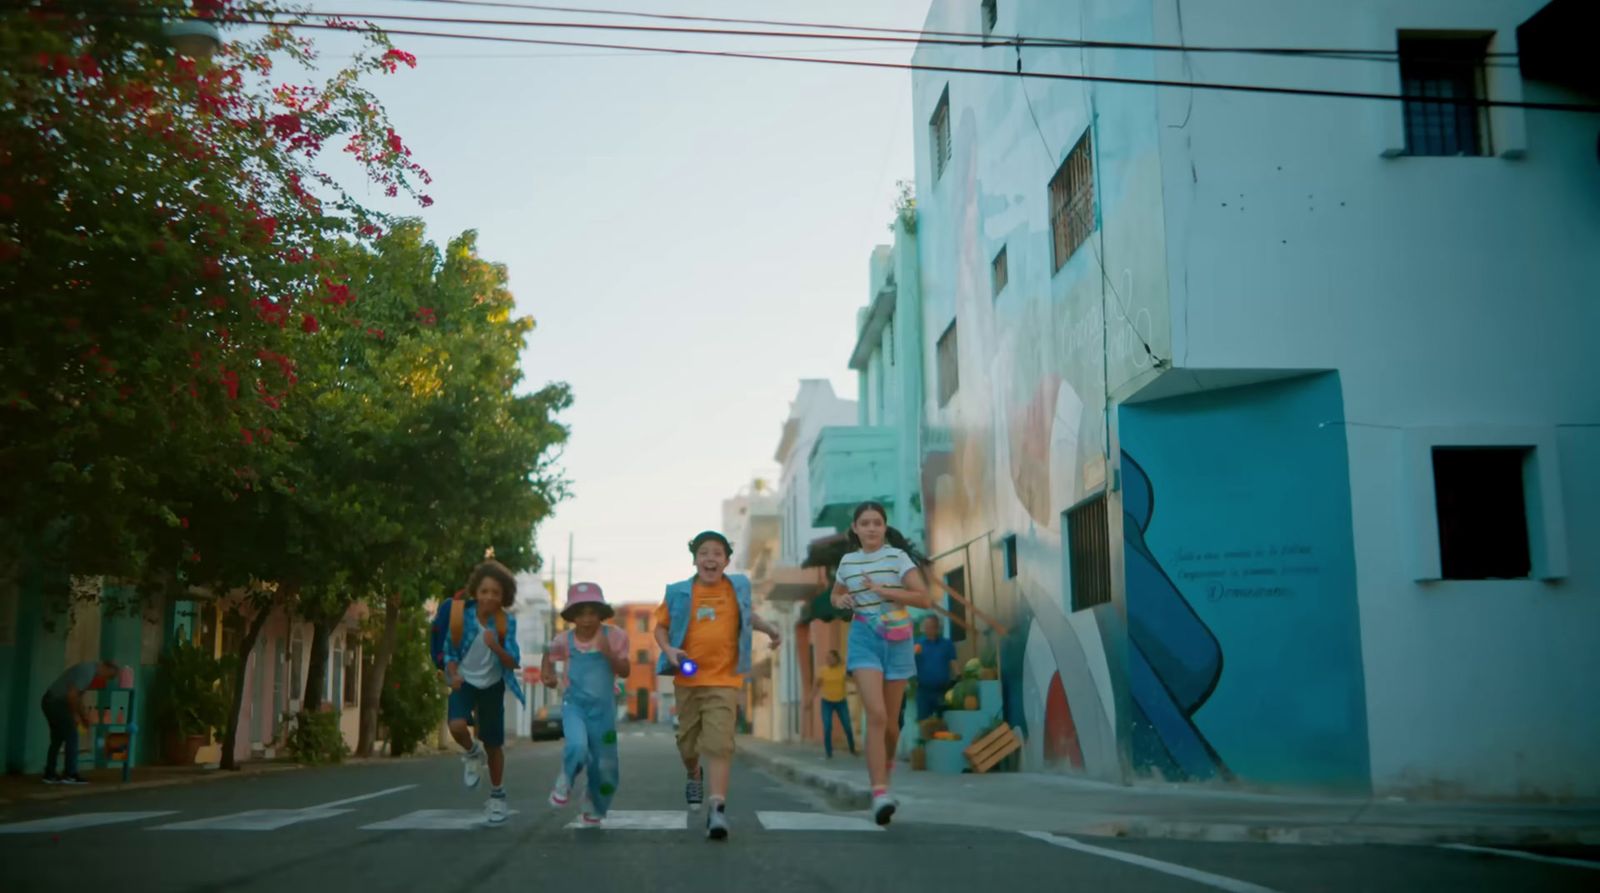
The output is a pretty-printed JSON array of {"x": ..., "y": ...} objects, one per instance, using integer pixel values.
[
  {"x": 849, "y": 794},
  {"x": 855, "y": 795},
  {"x": 115, "y": 787}
]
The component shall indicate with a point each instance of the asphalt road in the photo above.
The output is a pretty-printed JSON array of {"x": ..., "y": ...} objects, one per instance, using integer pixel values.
[{"x": 410, "y": 825}]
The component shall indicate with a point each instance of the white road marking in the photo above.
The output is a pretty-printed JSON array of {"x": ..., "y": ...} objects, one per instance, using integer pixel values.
[
  {"x": 383, "y": 793},
  {"x": 814, "y": 821},
  {"x": 1517, "y": 854},
  {"x": 1191, "y": 874},
  {"x": 274, "y": 819},
  {"x": 641, "y": 820},
  {"x": 436, "y": 820},
  {"x": 255, "y": 820},
  {"x": 81, "y": 820}
]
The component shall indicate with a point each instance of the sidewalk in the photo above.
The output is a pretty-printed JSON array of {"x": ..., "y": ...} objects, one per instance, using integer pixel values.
[
  {"x": 1066, "y": 804},
  {"x": 17, "y": 788}
]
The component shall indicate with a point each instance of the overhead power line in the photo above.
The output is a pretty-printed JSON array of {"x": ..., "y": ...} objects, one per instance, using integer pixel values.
[
  {"x": 921, "y": 36},
  {"x": 949, "y": 69}
]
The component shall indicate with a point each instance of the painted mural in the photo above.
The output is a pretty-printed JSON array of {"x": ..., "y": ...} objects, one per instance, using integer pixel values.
[
  {"x": 1025, "y": 437},
  {"x": 1245, "y": 654}
]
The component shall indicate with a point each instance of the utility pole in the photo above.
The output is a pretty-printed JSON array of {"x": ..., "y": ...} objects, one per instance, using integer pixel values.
[{"x": 570, "y": 538}]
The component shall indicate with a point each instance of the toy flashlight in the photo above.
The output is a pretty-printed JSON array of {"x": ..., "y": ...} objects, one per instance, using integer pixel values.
[{"x": 688, "y": 667}]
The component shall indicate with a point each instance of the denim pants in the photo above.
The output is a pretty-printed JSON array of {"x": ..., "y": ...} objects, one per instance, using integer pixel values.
[{"x": 842, "y": 708}]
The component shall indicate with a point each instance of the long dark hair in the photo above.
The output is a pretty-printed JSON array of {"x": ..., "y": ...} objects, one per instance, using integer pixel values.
[
  {"x": 498, "y": 572},
  {"x": 890, "y": 535}
]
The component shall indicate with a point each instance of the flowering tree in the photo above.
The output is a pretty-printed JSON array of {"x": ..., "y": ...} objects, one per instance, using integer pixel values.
[{"x": 166, "y": 241}]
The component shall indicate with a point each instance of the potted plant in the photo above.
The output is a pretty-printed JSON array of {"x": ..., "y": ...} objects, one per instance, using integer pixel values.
[{"x": 188, "y": 701}]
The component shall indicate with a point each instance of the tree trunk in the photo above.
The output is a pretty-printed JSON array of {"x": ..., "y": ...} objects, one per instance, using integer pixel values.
[
  {"x": 240, "y": 677},
  {"x": 317, "y": 671},
  {"x": 372, "y": 679}
]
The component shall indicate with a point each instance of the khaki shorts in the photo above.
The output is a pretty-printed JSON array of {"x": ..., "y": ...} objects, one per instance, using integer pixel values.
[{"x": 706, "y": 716}]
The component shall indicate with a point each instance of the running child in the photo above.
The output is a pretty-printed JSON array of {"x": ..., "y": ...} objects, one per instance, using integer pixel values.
[
  {"x": 596, "y": 654},
  {"x": 879, "y": 581},
  {"x": 707, "y": 620},
  {"x": 481, "y": 658}
]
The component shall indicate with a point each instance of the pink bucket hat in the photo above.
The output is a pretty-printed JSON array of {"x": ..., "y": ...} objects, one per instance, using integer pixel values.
[{"x": 586, "y": 594}]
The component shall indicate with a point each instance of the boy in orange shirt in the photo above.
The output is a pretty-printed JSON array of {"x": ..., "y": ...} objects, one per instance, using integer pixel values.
[{"x": 707, "y": 619}]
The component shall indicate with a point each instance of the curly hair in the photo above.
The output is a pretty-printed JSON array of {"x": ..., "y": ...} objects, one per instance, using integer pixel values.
[{"x": 498, "y": 572}]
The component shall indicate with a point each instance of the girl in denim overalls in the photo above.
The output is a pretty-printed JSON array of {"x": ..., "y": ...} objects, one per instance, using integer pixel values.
[{"x": 596, "y": 654}]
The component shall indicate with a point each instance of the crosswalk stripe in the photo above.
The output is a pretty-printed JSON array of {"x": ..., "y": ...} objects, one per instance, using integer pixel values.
[
  {"x": 814, "y": 821},
  {"x": 255, "y": 820},
  {"x": 81, "y": 820},
  {"x": 435, "y": 820},
  {"x": 641, "y": 820}
]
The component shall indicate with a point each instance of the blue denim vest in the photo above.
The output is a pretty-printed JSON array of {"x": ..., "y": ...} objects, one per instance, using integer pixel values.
[
  {"x": 469, "y": 633},
  {"x": 680, "y": 605}
]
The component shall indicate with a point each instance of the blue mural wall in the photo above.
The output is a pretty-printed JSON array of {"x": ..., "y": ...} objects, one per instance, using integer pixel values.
[{"x": 1244, "y": 642}]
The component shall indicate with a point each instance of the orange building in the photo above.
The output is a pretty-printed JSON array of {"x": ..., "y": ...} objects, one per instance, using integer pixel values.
[{"x": 639, "y": 624}]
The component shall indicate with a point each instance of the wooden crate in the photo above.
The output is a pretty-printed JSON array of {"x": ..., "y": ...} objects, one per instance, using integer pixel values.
[{"x": 986, "y": 752}]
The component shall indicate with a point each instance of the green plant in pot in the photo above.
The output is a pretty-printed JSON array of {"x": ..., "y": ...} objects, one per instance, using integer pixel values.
[{"x": 189, "y": 700}]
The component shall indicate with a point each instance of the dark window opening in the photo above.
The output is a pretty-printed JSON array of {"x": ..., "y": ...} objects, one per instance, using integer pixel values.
[
  {"x": 1483, "y": 512},
  {"x": 998, "y": 274},
  {"x": 1446, "y": 70},
  {"x": 1072, "y": 201},
  {"x": 1088, "y": 554},
  {"x": 956, "y": 580},
  {"x": 949, "y": 365},
  {"x": 939, "y": 135},
  {"x": 1008, "y": 548}
]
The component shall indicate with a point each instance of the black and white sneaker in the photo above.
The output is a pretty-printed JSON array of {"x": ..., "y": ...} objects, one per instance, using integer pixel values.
[
  {"x": 694, "y": 791},
  {"x": 51, "y": 778},
  {"x": 72, "y": 779}
]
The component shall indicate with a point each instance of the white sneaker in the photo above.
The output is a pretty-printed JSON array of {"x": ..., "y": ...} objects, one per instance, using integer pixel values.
[
  {"x": 561, "y": 794},
  {"x": 472, "y": 766},
  {"x": 496, "y": 810},
  {"x": 883, "y": 807},
  {"x": 590, "y": 820}
]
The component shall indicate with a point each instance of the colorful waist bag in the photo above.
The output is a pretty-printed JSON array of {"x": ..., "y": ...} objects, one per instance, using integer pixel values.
[{"x": 893, "y": 624}]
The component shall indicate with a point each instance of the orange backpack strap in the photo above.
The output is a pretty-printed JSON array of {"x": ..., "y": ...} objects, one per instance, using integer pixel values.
[
  {"x": 458, "y": 621},
  {"x": 500, "y": 625}
]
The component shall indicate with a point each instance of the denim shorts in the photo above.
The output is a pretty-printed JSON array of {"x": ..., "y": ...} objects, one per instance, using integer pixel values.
[
  {"x": 489, "y": 705},
  {"x": 870, "y": 651}
]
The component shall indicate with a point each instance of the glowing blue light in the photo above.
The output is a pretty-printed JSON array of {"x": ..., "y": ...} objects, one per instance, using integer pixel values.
[{"x": 688, "y": 667}]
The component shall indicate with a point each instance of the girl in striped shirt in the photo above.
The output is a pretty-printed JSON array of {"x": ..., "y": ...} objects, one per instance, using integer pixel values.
[{"x": 879, "y": 581}]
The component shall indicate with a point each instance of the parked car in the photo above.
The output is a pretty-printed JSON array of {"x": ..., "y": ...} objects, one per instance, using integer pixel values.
[{"x": 545, "y": 726}]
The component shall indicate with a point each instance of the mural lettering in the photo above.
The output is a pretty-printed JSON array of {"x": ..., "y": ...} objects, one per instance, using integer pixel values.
[{"x": 1250, "y": 573}]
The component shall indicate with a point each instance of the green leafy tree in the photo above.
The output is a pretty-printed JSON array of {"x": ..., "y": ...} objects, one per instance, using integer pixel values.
[{"x": 412, "y": 701}]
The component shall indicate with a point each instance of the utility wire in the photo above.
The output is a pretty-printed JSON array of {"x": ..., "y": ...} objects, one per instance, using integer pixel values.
[
  {"x": 949, "y": 69},
  {"x": 991, "y": 39}
]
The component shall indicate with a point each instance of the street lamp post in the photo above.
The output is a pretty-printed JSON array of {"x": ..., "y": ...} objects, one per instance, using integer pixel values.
[{"x": 195, "y": 38}]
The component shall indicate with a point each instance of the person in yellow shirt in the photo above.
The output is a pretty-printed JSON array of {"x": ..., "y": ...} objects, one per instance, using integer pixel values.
[
  {"x": 707, "y": 620},
  {"x": 830, "y": 690}
]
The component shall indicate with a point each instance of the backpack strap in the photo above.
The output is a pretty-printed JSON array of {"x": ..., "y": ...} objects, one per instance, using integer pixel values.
[
  {"x": 500, "y": 625},
  {"x": 458, "y": 621}
]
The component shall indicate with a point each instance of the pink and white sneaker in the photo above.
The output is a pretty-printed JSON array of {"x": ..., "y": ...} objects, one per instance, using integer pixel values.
[{"x": 561, "y": 794}]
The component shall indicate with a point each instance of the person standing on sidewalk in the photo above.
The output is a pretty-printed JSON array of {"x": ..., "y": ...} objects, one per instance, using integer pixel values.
[
  {"x": 879, "y": 582},
  {"x": 707, "y": 620},
  {"x": 596, "y": 655},
  {"x": 481, "y": 659},
  {"x": 64, "y": 709},
  {"x": 830, "y": 690},
  {"x": 936, "y": 668}
]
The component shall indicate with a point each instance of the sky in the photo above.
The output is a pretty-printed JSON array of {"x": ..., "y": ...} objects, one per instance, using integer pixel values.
[{"x": 691, "y": 236}]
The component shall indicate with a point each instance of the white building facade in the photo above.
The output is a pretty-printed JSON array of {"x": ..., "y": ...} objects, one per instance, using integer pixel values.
[{"x": 1271, "y": 414}]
